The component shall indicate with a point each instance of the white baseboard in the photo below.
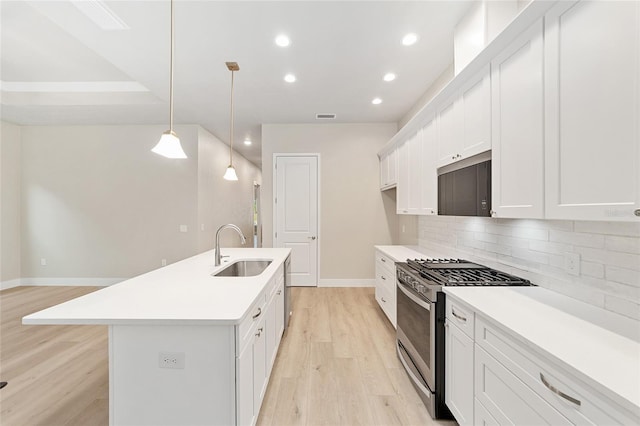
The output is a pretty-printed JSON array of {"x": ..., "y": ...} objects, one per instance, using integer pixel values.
[
  {"x": 10, "y": 283},
  {"x": 98, "y": 282},
  {"x": 365, "y": 282}
]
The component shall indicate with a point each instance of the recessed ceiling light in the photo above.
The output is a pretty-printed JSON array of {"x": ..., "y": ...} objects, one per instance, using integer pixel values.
[
  {"x": 389, "y": 76},
  {"x": 247, "y": 142},
  {"x": 282, "y": 40},
  {"x": 376, "y": 101},
  {"x": 409, "y": 39},
  {"x": 289, "y": 78}
]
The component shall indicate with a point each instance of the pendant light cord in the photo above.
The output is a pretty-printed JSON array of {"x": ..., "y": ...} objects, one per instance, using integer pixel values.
[
  {"x": 171, "y": 76},
  {"x": 231, "y": 125}
]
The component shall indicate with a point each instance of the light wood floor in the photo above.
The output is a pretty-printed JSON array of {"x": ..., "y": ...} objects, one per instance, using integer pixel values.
[
  {"x": 58, "y": 375},
  {"x": 336, "y": 365}
]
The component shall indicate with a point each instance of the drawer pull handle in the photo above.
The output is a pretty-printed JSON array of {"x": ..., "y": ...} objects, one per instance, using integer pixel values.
[
  {"x": 460, "y": 317},
  {"x": 382, "y": 276},
  {"x": 558, "y": 392},
  {"x": 382, "y": 298},
  {"x": 258, "y": 314},
  {"x": 279, "y": 292},
  {"x": 382, "y": 259}
]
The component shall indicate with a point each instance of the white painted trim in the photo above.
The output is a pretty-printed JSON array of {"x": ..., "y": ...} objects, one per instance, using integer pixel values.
[
  {"x": 365, "y": 282},
  {"x": 4, "y": 285},
  {"x": 98, "y": 282},
  {"x": 275, "y": 194}
]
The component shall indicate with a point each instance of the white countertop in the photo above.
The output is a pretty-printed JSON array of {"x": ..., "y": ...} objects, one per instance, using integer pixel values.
[
  {"x": 599, "y": 347},
  {"x": 183, "y": 293}
]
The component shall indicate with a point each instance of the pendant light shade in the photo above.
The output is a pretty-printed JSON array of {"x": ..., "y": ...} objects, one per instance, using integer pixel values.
[
  {"x": 169, "y": 144},
  {"x": 230, "y": 174}
]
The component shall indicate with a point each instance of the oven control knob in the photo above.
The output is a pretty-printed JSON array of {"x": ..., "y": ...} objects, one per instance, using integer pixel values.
[{"x": 420, "y": 288}]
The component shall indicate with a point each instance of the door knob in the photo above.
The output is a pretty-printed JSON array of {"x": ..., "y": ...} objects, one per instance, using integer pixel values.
[{"x": 312, "y": 238}]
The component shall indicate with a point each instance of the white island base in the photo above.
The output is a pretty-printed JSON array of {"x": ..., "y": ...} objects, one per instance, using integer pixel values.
[{"x": 186, "y": 348}]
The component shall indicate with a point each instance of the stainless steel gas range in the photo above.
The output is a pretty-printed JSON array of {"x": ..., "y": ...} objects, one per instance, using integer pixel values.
[{"x": 420, "y": 319}]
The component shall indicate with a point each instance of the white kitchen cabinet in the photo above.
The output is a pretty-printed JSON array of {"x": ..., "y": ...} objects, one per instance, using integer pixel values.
[
  {"x": 389, "y": 170},
  {"x": 517, "y": 154},
  {"x": 259, "y": 348},
  {"x": 418, "y": 175},
  {"x": 260, "y": 336},
  {"x": 515, "y": 382},
  {"x": 507, "y": 398},
  {"x": 459, "y": 374},
  {"x": 592, "y": 110},
  {"x": 464, "y": 122},
  {"x": 403, "y": 187},
  {"x": 447, "y": 134},
  {"x": 385, "y": 292},
  {"x": 428, "y": 171}
]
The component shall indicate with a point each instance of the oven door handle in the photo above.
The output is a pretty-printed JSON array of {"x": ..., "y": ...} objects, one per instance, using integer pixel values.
[{"x": 415, "y": 298}]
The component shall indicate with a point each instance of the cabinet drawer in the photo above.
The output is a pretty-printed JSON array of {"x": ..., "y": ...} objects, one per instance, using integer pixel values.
[
  {"x": 387, "y": 302},
  {"x": 385, "y": 261},
  {"x": 247, "y": 326},
  {"x": 481, "y": 416},
  {"x": 461, "y": 316},
  {"x": 574, "y": 399},
  {"x": 385, "y": 279},
  {"x": 507, "y": 398}
]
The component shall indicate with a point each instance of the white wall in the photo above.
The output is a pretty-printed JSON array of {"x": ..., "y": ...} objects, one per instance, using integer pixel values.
[
  {"x": 534, "y": 249},
  {"x": 354, "y": 215},
  {"x": 221, "y": 201},
  {"x": 99, "y": 206},
  {"x": 10, "y": 153}
]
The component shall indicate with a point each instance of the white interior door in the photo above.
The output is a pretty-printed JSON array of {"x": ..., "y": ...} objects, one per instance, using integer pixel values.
[{"x": 296, "y": 215}]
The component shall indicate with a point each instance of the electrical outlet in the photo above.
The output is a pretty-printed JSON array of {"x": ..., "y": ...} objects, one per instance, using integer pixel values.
[
  {"x": 174, "y": 360},
  {"x": 164, "y": 262},
  {"x": 43, "y": 262},
  {"x": 572, "y": 263}
]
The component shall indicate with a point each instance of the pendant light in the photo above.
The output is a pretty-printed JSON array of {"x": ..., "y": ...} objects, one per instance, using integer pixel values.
[
  {"x": 230, "y": 174},
  {"x": 169, "y": 144}
]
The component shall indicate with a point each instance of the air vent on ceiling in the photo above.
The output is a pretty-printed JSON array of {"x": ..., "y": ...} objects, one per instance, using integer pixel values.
[{"x": 325, "y": 116}]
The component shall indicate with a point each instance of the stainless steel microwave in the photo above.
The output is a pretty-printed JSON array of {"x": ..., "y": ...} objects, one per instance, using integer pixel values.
[{"x": 466, "y": 191}]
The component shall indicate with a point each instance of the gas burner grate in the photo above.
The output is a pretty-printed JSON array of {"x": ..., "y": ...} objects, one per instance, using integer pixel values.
[{"x": 460, "y": 272}]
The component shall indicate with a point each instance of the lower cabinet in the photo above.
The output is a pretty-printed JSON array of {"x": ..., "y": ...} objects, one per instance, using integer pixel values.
[
  {"x": 459, "y": 374},
  {"x": 258, "y": 337},
  {"x": 386, "y": 285},
  {"x": 492, "y": 378}
]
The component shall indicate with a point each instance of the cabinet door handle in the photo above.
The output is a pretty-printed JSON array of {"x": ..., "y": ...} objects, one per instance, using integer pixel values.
[
  {"x": 382, "y": 276},
  {"x": 382, "y": 260},
  {"x": 279, "y": 292},
  {"x": 259, "y": 333},
  {"x": 460, "y": 317},
  {"x": 312, "y": 238},
  {"x": 559, "y": 392},
  {"x": 382, "y": 298},
  {"x": 453, "y": 157},
  {"x": 258, "y": 314}
]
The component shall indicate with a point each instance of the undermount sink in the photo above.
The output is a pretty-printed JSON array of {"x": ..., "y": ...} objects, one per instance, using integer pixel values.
[{"x": 244, "y": 268}]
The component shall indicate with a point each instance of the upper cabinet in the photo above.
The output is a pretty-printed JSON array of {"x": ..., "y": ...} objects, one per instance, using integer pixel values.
[
  {"x": 517, "y": 151},
  {"x": 555, "y": 98},
  {"x": 592, "y": 110},
  {"x": 464, "y": 122},
  {"x": 389, "y": 170},
  {"x": 417, "y": 174}
]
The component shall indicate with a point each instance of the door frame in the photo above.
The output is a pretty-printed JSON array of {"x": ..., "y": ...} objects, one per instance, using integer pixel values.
[{"x": 275, "y": 194}]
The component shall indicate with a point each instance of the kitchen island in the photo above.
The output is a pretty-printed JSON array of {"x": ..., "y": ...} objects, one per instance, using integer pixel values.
[{"x": 186, "y": 347}]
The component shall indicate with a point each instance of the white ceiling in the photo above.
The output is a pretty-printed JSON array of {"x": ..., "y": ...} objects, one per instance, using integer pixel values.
[{"x": 59, "y": 67}]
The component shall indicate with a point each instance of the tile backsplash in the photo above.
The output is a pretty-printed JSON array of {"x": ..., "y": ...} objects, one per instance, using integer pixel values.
[{"x": 609, "y": 254}]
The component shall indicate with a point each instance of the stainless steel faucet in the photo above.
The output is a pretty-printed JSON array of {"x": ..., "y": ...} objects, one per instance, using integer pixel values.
[{"x": 231, "y": 226}]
